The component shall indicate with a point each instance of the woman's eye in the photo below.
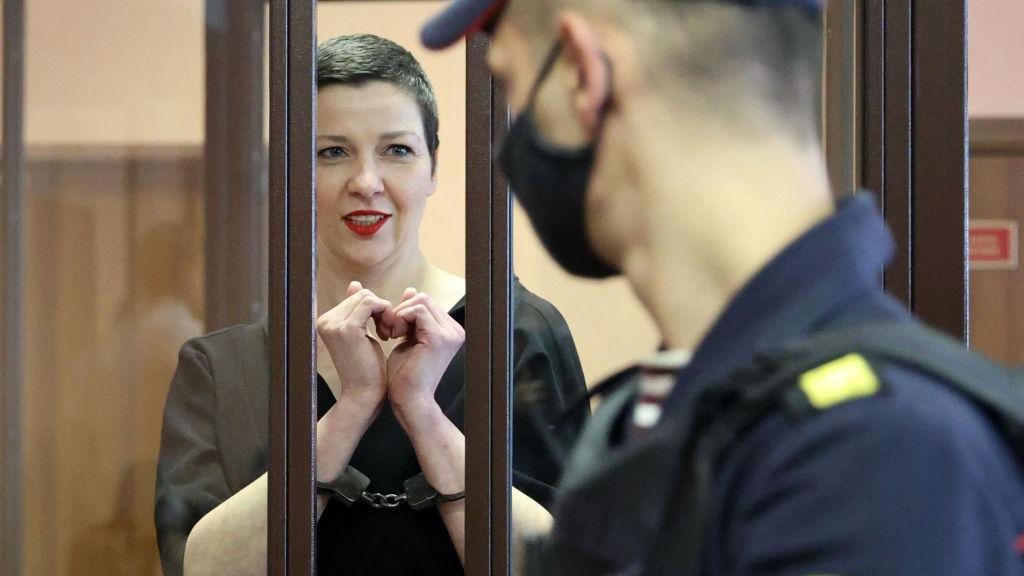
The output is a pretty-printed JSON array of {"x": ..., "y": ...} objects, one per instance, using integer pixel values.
[
  {"x": 332, "y": 152},
  {"x": 399, "y": 150}
]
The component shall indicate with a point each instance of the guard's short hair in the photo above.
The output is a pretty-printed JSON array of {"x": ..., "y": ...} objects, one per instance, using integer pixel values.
[
  {"x": 731, "y": 56},
  {"x": 357, "y": 59}
]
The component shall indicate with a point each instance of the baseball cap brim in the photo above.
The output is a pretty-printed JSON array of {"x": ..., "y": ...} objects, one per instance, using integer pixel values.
[
  {"x": 458, "y": 19},
  {"x": 462, "y": 17}
]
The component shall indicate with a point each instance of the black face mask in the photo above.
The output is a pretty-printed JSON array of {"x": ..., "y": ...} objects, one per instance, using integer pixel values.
[{"x": 551, "y": 184}]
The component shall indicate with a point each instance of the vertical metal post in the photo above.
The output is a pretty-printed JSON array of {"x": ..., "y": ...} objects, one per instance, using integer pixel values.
[
  {"x": 842, "y": 96},
  {"x": 898, "y": 198},
  {"x": 915, "y": 151},
  {"x": 939, "y": 170},
  {"x": 12, "y": 267},
  {"x": 291, "y": 495},
  {"x": 502, "y": 308},
  {"x": 489, "y": 314},
  {"x": 479, "y": 326}
]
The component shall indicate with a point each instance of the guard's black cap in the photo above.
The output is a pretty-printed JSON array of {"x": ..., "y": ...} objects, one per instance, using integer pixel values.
[{"x": 464, "y": 16}]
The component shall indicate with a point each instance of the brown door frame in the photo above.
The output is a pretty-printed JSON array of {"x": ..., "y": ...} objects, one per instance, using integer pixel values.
[
  {"x": 914, "y": 149},
  {"x": 291, "y": 510},
  {"x": 488, "y": 323},
  {"x": 12, "y": 266}
]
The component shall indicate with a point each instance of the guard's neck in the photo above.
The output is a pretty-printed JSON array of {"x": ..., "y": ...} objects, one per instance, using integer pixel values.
[{"x": 724, "y": 217}]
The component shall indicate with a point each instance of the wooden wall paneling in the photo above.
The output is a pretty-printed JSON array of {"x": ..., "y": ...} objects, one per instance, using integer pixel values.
[{"x": 997, "y": 192}]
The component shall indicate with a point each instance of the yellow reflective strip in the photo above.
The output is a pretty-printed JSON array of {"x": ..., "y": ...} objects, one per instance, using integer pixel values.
[{"x": 838, "y": 381}]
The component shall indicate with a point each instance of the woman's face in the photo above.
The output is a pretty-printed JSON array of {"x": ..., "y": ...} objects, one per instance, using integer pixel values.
[{"x": 373, "y": 173}]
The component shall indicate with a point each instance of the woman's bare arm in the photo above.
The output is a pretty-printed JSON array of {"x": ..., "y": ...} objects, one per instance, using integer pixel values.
[{"x": 231, "y": 540}]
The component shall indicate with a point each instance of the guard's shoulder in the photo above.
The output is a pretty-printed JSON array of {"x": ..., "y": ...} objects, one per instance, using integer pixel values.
[
  {"x": 910, "y": 419},
  {"x": 905, "y": 478}
]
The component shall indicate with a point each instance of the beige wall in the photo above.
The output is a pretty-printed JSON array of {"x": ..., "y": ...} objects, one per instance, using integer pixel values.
[
  {"x": 609, "y": 326},
  {"x": 995, "y": 58},
  {"x": 78, "y": 52}
]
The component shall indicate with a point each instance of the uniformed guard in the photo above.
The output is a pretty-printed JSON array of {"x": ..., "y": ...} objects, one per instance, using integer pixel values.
[{"x": 799, "y": 421}]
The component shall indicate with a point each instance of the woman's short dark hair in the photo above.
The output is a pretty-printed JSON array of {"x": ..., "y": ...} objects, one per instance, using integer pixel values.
[{"x": 360, "y": 58}]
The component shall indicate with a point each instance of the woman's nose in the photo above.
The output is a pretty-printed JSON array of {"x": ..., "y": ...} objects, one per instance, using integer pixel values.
[{"x": 366, "y": 182}]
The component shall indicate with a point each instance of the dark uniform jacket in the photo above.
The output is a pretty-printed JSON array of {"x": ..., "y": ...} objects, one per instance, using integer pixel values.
[
  {"x": 912, "y": 480},
  {"x": 215, "y": 434}
]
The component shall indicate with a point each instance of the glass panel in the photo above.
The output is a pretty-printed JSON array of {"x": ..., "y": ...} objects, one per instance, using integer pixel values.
[
  {"x": 118, "y": 224},
  {"x": 389, "y": 218},
  {"x": 996, "y": 109}
]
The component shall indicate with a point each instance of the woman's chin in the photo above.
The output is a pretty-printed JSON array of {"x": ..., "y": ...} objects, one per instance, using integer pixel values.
[
  {"x": 365, "y": 257},
  {"x": 359, "y": 253}
]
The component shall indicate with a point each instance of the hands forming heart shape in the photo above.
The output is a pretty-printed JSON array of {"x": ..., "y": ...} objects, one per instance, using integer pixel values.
[{"x": 428, "y": 340}]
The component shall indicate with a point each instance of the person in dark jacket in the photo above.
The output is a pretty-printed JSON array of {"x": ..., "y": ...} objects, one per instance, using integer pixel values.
[{"x": 676, "y": 143}]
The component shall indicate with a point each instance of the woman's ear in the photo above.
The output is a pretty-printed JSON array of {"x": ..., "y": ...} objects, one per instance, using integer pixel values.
[{"x": 583, "y": 50}]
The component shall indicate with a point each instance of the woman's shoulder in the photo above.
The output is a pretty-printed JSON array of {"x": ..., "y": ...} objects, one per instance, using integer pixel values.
[
  {"x": 537, "y": 314},
  {"x": 232, "y": 340}
]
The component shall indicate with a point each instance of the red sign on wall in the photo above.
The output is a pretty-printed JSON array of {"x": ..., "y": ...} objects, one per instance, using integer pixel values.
[{"x": 993, "y": 244}]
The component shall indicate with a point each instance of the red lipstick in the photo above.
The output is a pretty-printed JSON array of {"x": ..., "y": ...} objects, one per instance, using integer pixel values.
[{"x": 365, "y": 222}]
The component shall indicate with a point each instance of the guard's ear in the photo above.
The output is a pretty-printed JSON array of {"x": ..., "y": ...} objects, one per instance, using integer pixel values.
[{"x": 584, "y": 52}]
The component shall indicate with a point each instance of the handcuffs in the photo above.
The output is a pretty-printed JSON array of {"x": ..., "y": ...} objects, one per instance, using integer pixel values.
[{"x": 350, "y": 487}]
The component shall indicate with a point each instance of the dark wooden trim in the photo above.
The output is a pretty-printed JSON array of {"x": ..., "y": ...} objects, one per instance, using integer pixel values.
[
  {"x": 940, "y": 282},
  {"x": 897, "y": 195},
  {"x": 301, "y": 273},
  {"x": 277, "y": 305},
  {"x": 841, "y": 113},
  {"x": 235, "y": 185},
  {"x": 479, "y": 326},
  {"x": 12, "y": 266},
  {"x": 292, "y": 497},
  {"x": 872, "y": 86},
  {"x": 914, "y": 150},
  {"x": 489, "y": 313},
  {"x": 997, "y": 136},
  {"x": 276, "y": 530}
]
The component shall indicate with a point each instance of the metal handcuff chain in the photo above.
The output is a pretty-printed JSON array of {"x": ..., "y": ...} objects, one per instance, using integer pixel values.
[
  {"x": 351, "y": 487},
  {"x": 383, "y": 501}
]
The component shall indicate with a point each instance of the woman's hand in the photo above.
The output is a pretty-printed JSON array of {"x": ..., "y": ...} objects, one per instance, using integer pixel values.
[
  {"x": 357, "y": 356},
  {"x": 432, "y": 338}
]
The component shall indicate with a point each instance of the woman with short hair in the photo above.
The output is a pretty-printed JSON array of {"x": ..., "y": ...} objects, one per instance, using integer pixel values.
[{"x": 391, "y": 385}]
